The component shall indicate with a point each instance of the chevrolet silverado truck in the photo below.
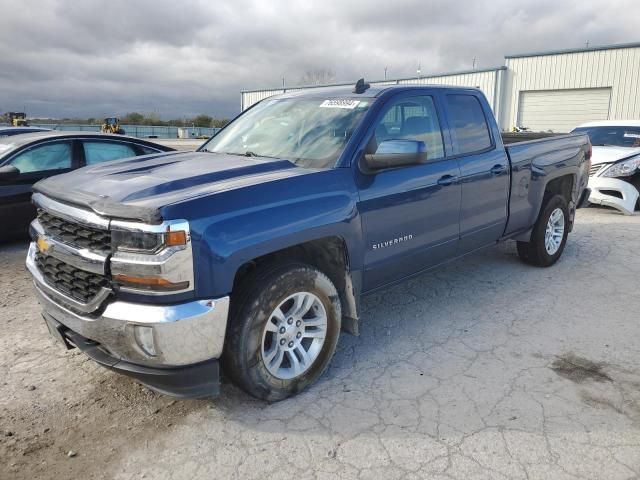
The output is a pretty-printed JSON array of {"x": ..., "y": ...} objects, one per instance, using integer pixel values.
[{"x": 253, "y": 253}]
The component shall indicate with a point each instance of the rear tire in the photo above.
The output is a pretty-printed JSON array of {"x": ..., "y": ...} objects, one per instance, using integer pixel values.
[
  {"x": 283, "y": 331},
  {"x": 549, "y": 235}
]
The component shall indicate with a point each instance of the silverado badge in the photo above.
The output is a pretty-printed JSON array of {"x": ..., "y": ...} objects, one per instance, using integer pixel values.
[{"x": 393, "y": 241}]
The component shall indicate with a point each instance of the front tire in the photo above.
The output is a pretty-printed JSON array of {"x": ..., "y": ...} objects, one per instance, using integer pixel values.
[
  {"x": 283, "y": 331},
  {"x": 549, "y": 235}
]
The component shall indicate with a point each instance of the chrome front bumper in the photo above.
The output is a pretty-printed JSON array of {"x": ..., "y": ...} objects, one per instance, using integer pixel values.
[{"x": 182, "y": 334}]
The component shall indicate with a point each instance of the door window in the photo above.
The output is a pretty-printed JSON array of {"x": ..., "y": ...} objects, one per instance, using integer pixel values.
[
  {"x": 52, "y": 156},
  {"x": 468, "y": 123},
  {"x": 98, "y": 152},
  {"x": 413, "y": 118}
]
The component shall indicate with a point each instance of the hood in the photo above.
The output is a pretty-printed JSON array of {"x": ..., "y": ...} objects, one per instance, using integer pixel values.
[
  {"x": 136, "y": 188},
  {"x": 612, "y": 154}
]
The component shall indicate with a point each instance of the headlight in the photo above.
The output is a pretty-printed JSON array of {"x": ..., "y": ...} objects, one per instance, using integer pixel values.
[
  {"x": 152, "y": 259},
  {"x": 145, "y": 242},
  {"x": 623, "y": 169}
]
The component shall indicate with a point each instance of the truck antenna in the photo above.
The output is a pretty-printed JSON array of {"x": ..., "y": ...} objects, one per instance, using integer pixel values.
[{"x": 361, "y": 87}]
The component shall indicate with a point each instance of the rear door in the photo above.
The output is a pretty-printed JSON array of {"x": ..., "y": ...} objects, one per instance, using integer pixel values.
[
  {"x": 484, "y": 170},
  {"x": 98, "y": 150},
  {"x": 35, "y": 163},
  {"x": 409, "y": 214}
]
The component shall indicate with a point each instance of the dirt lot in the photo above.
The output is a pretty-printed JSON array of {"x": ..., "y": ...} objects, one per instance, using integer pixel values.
[{"x": 483, "y": 369}]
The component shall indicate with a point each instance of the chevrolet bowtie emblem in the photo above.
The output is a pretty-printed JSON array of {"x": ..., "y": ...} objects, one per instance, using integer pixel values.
[{"x": 43, "y": 245}]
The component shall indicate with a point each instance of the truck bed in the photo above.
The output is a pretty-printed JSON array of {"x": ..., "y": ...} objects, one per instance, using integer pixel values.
[{"x": 548, "y": 157}]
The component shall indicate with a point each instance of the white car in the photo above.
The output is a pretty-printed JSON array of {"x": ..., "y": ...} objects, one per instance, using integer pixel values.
[{"x": 614, "y": 178}]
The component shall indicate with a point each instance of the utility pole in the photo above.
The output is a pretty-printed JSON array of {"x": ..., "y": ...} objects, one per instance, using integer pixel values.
[
  {"x": 586, "y": 44},
  {"x": 474, "y": 64},
  {"x": 385, "y": 73},
  {"x": 419, "y": 71}
]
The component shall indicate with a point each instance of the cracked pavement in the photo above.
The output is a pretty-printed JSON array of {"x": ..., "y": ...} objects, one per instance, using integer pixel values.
[{"x": 484, "y": 368}]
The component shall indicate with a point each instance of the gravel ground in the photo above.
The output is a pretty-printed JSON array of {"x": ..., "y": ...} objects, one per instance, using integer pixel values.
[{"x": 485, "y": 368}]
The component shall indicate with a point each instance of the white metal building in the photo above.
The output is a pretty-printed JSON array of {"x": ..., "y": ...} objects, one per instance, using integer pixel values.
[
  {"x": 543, "y": 91},
  {"x": 559, "y": 90}
]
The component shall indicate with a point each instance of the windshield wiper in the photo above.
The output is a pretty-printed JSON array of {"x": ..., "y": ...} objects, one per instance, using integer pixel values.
[
  {"x": 249, "y": 153},
  {"x": 245, "y": 154}
]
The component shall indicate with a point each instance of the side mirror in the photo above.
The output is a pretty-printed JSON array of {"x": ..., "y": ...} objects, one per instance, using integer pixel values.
[
  {"x": 8, "y": 172},
  {"x": 396, "y": 153}
]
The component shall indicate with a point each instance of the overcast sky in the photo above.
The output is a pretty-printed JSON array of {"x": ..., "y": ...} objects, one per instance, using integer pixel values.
[{"x": 180, "y": 58}]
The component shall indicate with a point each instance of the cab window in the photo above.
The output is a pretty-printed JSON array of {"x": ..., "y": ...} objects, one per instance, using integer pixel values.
[
  {"x": 413, "y": 118},
  {"x": 469, "y": 125},
  {"x": 52, "y": 156},
  {"x": 98, "y": 152}
]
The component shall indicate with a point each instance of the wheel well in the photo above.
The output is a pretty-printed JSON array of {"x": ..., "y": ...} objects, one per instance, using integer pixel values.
[
  {"x": 329, "y": 255},
  {"x": 560, "y": 186}
]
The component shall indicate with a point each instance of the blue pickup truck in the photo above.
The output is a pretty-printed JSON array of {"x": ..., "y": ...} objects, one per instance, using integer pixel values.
[{"x": 253, "y": 253}]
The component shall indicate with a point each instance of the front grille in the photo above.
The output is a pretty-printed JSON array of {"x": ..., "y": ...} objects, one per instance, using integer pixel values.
[
  {"x": 595, "y": 169},
  {"x": 75, "y": 233},
  {"x": 75, "y": 283}
]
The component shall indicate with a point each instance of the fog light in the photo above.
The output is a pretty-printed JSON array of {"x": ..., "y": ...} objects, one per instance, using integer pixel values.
[{"x": 144, "y": 338}]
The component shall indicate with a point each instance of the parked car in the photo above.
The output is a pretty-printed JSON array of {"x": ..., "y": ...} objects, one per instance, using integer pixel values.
[
  {"x": 255, "y": 250},
  {"x": 27, "y": 158},
  {"x": 10, "y": 131},
  {"x": 615, "y": 172}
]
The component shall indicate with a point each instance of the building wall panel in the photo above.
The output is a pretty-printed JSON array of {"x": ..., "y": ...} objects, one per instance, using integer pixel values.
[
  {"x": 615, "y": 68},
  {"x": 562, "y": 110}
]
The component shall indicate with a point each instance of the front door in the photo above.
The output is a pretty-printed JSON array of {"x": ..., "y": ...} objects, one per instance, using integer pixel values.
[
  {"x": 409, "y": 214},
  {"x": 34, "y": 163}
]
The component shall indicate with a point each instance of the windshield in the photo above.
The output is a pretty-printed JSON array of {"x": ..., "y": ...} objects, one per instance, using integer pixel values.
[
  {"x": 612, "y": 136},
  {"x": 309, "y": 132}
]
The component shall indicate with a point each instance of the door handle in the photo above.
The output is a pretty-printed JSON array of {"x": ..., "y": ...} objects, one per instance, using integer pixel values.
[
  {"x": 446, "y": 180},
  {"x": 498, "y": 169}
]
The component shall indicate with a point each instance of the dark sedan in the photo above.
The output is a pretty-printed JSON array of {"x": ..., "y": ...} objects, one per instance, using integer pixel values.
[{"x": 27, "y": 158}]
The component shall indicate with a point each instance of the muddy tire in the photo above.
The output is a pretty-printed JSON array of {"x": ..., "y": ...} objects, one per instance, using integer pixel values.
[
  {"x": 549, "y": 235},
  {"x": 283, "y": 331}
]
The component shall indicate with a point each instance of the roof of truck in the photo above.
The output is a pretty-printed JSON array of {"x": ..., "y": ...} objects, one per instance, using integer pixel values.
[{"x": 372, "y": 91}]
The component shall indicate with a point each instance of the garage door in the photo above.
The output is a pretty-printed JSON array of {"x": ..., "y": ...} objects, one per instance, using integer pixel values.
[{"x": 562, "y": 110}]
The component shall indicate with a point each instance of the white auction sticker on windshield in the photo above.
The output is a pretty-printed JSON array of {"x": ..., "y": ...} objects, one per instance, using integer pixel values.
[
  {"x": 340, "y": 103},
  {"x": 631, "y": 135}
]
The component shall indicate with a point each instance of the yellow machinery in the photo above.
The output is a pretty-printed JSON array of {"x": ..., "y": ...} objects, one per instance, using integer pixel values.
[
  {"x": 112, "y": 125},
  {"x": 18, "y": 119}
]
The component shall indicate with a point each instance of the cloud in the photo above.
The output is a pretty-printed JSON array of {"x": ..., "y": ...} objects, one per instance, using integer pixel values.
[{"x": 182, "y": 58}]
